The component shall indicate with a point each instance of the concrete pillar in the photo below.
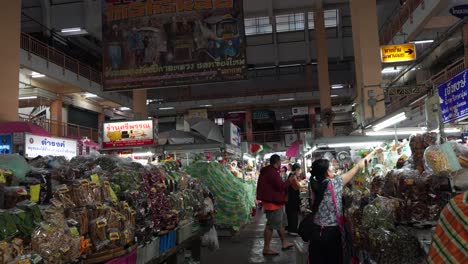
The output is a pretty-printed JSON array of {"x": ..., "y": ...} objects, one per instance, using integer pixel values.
[
  {"x": 465, "y": 41},
  {"x": 312, "y": 119},
  {"x": 56, "y": 125},
  {"x": 367, "y": 60},
  {"x": 10, "y": 26},
  {"x": 139, "y": 104},
  {"x": 322, "y": 63},
  {"x": 249, "y": 125}
]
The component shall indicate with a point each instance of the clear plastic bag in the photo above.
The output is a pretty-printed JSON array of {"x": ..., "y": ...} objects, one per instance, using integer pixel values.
[
  {"x": 210, "y": 239},
  {"x": 436, "y": 161}
]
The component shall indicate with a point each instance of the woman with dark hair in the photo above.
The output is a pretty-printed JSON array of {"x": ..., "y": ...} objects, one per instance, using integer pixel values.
[
  {"x": 293, "y": 204},
  {"x": 327, "y": 243},
  {"x": 284, "y": 173}
]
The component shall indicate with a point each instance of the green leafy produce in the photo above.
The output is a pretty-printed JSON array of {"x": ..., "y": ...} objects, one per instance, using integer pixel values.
[{"x": 7, "y": 226}]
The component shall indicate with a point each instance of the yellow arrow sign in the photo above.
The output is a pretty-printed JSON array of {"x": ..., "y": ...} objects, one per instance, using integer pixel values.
[{"x": 398, "y": 53}]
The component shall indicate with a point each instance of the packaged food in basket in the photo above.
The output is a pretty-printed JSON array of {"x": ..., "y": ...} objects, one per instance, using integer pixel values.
[
  {"x": 114, "y": 236},
  {"x": 436, "y": 160},
  {"x": 10, "y": 250},
  {"x": 55, "y": 244},
  {"x": 63, "y": 194},
  {"x": 98, "y": 234}
]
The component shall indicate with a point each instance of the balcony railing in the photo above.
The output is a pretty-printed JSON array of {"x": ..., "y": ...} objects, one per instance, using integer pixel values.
[
  {"x": 395, "y": 22},
  {"x": 38, "y": 48},
  {"x": 441, "y": 77},
  {"x": 61, "y": 129}
]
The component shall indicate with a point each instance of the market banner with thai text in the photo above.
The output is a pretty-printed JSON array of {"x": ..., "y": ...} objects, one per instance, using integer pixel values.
[
  {"x": 156, "y": 43},
  {"x": 454, "y": 98},
  {"x": 128, "y": 134},
  {"x": 50, "y": 146}
]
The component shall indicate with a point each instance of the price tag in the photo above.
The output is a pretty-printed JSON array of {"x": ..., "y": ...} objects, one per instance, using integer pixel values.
[
  {"x": 84, "y": 183},
  {"x": 101, "y": 223},
  {"x": 95, "y": 179},
  {"x": 74, "y": 231},
  {"x": 35, "y": 191},
  {"x": 114, "y": 236}
]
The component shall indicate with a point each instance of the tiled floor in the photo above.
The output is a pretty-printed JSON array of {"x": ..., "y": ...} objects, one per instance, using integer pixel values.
[{"x": 247, "y": 247}]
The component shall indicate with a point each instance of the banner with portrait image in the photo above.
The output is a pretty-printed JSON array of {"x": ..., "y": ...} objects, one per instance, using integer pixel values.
[{"x": 156, "y": 43}]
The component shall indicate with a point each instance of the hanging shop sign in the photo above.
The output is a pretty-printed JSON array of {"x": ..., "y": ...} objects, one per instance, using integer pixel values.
[
  {"x": 197, "y": 113},
  {"x": 300, "y": 111},
  {"x": 232, "y": 134},
  {"x": 398, "y": 53},
  {"x": 156, "y": 43},
  {"x": 49, "y": 146},
  {"x": 5, "y": 144},
  {"x": 128, "y": 134},
  {"x": 460, "y": 11},
  {"x": 454, "y": 98}
]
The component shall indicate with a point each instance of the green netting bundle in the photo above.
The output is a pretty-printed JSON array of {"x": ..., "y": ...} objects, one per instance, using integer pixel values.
[{"x": 234, "y": 197}]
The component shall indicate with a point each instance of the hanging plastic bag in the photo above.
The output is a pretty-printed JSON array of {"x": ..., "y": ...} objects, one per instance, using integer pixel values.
[
  {"x": 210, "y": 239},
  {"x": 436, "y": 161}
]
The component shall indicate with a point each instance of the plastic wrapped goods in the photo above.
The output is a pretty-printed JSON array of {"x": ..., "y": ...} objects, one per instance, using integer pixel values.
[
  {"x": 380, "y": 213},
  {"x": 15, "y": 163},
  {"x": 436, "y": 160},
  {"x": 234, "y": 197},
  {"x": 418, "y": 144}
]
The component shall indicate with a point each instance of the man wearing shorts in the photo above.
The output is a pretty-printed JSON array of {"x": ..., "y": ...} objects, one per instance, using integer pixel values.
[{"x": 271, "y": 190}]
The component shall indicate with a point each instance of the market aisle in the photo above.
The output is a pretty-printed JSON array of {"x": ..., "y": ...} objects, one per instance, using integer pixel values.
[{"x": 248, "y": 246}]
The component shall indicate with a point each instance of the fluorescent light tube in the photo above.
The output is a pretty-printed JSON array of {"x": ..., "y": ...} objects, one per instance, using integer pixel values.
[
  {"x": 124, "y": 108},
  {"x": 69, "y": 30},
  {"x": 423, "y": 41},
  {"x": 27, "y": 97},
  {"x": 391, "y": 121},
  {"x": 166, "y": 108},
  {"x": 286, "y": 99},
  {"x": 90, "y": 95},
  {"x": 207, "y": 105},
  {"x": 37, "y": 75},
  {"x": 337, "y": 86},
  {"x": 390, "y": 70},
  {"x": 392, "y": 133},
  {"x": 354, "y": 144},
  {"x": 334, "y": 95}
]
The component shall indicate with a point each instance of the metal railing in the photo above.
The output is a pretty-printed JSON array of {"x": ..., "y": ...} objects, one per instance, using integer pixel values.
[
  {"x": 39, "y": 48},
  {"x": 395, "y": 22},
  {"x": 277, "y": 135},
  {"x": 441, "y": 77},
  {"x": 56, "y": 128}
]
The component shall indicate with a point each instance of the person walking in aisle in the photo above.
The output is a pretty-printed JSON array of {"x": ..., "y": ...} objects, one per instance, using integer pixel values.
[
  {"x": 293, "y": 204},
  {"x": 271, "y": 190},
  {"x": 327, "y": 243}
]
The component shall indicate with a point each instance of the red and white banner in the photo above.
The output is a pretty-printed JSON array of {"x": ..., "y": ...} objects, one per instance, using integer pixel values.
[{"x": 128, "y": 134}]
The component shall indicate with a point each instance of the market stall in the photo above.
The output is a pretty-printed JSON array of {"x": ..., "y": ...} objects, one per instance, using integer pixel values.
[
  {"x": 392, "y": 206},
  {"x": 13, "y": 135},
  {"x": 96, "y": 208}
]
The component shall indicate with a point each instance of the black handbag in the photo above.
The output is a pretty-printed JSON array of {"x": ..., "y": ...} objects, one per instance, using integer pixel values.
[{"x": 306, "y": 226}]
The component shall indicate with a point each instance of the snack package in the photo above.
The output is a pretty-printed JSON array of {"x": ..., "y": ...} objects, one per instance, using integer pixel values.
[
  {"x": 436, "y": 161},
  {"x": 98, "y": 234},
  {"x": 13, "y": 195},
  {"x": 63, "y": 194},
  {"x": 10, "y": 250}
]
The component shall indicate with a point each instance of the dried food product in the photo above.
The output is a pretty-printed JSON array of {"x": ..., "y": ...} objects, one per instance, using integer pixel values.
[
  {"x": 377, "y": 186},
  {"x": 23, "y": 221},
  {"x": 381, "y": 213},
  {"x": 63, "y": 194},
  {"x": 15, "y": 163},
  {"x": 54, "y": 215},
  {"x": 436, "y": 160},
  {"x": 13, "y": 195},
  {"x": 97, "y": 233},
  {"x": 115, "y": 238},
  {"x": 418, "y": 144},
  {"x": 55, "y": 244},
  {"x": 81, "y": 216},
  {"x": 11, "y": 249}
]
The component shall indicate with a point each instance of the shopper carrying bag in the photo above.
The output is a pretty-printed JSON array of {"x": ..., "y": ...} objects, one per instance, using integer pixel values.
[{"x": 324, "y": 227}]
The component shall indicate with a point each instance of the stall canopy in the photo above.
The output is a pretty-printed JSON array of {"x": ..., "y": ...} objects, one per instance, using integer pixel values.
[
  {"x": 176, "y": 137},
  {"x": 25, "y": 127},
  {"x": 206, "y": 128}
]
